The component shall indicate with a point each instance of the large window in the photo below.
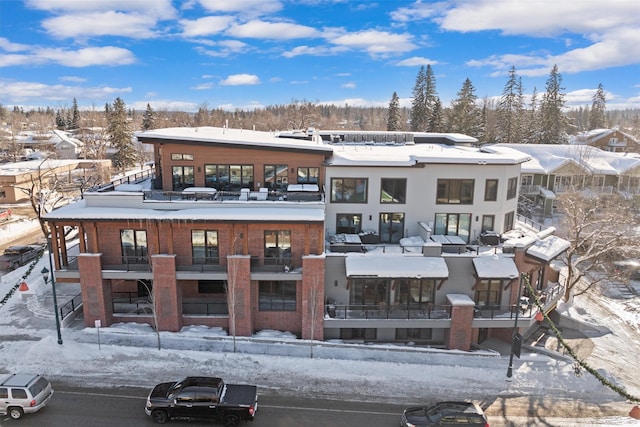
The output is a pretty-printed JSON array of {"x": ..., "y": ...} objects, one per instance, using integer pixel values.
[
  {"x": 512, "y": 188},
  {"x": 276, "y": 177},
  {"x": 393, "y": 190},
  {"x": 453, "y": 224},
  {"x": 415, "y": 293},
  {"x": 182, "y": 177},
  {"x": 349, "y": 190},
  {"x": 391, "y": 227},
  {"x": 134, "y": 246},
  {"x": 369, "y": 292},
  {"x": 277, "y": 247},
  {"x": 308, "y": 175},
  {"x": 228, "y": 177},
  {"x": 204, "y": 247},
  {"x": 508, "y": 221},
  {"x": 488, "y": 223},
  {"x": 348, "y": 223},
  {"x": 491, "y": 190},
  {"x": 455, "y": 191},
  {"x": 181, "y": 156},
  {"x": 488, "y": 293},
  {"x": 212, "y": 287},
  {"x": 276, "y": 295}
]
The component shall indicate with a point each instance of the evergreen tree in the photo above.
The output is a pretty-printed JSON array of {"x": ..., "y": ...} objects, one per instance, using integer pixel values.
[
  {"x": 430, "y": 99},
  {"x": 148, "y": 118},
  {"x": 60, "y": 122},
  {"x": 510, "y": 110},
  {"x": 75, "y": 116},
  {"x": 120, "y": 137},
  {"x": 598, "y": 107},
  {"x": 531, "y": 123},
  {"x": 418, "y": 104},
  {"x": 393, "y": 116},
  {"x": 552, "y": 119},
  {"x": 465, "y": 116},
  {"x": 436, "y": 118}
]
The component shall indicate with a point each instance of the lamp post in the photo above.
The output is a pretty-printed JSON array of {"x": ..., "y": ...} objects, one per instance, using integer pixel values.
[
  {"x": 45, "y": 277},
  {"x": 515, "y": 337}
]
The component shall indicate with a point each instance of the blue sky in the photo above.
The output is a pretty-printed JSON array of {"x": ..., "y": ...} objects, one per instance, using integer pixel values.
[{"x": 180, "y": 55}]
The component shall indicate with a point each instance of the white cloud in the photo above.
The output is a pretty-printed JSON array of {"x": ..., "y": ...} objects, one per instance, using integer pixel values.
[
  {"x": 111, "y": 23},
  {"x": 73, "y": 79},
  {"x": 202, "y": 86},
  {"x": 23, "y": 90},
  {"x": 246, "y": 7},
  {"x": 8, "y": 46},
  {"x": 376, "y": 43},
  {"x": 253, "y": 105},
  {"x": 165, "y": 105},
  {"x": 205, "y": 26},
  {"x": 240, "y": 80},
  {"x": 314, "y": 51},
  {"x": 271, "y": 30},
  {"x": 224, "y": 48},
  {"x": 109, "y": 55},
  {"x": 349, "y": 85},
  {"x": 416, "y": 61}
]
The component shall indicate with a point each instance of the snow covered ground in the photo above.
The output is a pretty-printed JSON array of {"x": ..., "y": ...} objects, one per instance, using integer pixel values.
[{"x": 127, "y": 354}]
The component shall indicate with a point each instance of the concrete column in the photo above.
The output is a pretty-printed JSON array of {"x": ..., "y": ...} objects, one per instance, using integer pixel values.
[
  {"x": 239, "y": 295},
  {"x": 461, "y": 330},
  {"x": 166, "y": 295},
  {"x": 312, "y": 297},
  {"x": 96, "y": 292}
]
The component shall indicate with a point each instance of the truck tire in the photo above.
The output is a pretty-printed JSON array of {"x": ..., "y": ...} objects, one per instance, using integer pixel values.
[
  {"x": 159, "y": 416},
  {"x": 15, "y": 412},
  {"x": 231, "y": 420},
  {"x": 15, "y": 266}
]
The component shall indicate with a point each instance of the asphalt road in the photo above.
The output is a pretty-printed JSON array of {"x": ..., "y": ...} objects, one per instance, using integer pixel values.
[{"x": 125, "y": 407}]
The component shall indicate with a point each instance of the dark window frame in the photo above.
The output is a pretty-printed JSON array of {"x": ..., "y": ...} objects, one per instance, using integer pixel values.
[
  {"x": 509, "y": 218},
  {"x": 276, "y": 295},
  {"x": 491, "y": 190},
  {"x": 137, "y": 253},
  {"x": 354, "y": 225},
  {"x": 512, "y": 188},
  {"x": 210, "y": 251},
  {"x": 455, "y": 191},
  {"x": 488, "y": 293},
  {"x": 276, "y": 176},
  {"x": 308, "y": 175},
  {"x": 280, "y": 251},
  {"x": 395, "y": 188},
  {"x": 345, "y": 190}
]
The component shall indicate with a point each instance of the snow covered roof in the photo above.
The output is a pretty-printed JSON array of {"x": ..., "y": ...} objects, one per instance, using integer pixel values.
[
  {"x": 548, "y": 248},
  {"x": 220, "y": 211},
  {"x": 548, "y": 158},
  {"x": 398, "y": 266},
  {"x": 19, "y": 168},
  {"x": 217, "y": 135},
  {"x": 410, "y": 155},
  {"x": 495, "y": 267}
]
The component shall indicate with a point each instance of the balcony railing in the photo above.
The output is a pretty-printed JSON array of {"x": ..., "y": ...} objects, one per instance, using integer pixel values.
[
  {"x": 200, "y": 307},
  {"x": 383, "y": 311},
  {"x": 220, "y": 196},
  {"x": 131, "y": 303}
]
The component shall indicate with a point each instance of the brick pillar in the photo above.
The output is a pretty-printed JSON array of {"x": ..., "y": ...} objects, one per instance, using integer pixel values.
[
  {"x": 461, "y": 322},
  {"x": 313, "y": 297},
  {"x": 167, "y": 296},
  {"x": 96, "y": 293},
  {"x": 239, "y": 295}
]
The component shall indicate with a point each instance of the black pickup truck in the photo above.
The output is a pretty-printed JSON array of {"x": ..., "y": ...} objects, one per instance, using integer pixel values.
[
  {"x": 17, "y": 256},
  {"x": 207, "y": 398}
]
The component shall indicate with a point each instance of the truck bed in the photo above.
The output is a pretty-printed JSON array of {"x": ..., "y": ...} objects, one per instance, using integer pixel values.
[{"x": 240, "y": 395}]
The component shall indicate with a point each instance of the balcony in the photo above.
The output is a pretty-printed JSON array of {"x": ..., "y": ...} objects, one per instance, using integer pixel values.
[{"x": 244, "y": 195}]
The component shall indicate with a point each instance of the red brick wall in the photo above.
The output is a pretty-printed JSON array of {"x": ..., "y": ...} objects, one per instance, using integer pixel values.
[
  {"x": 461, "y": 331},
  {"x": 166, "y": 294},
  {"x": 239, "y": 296},
  {"x": 96, "y": 293},
  {"x": 313, "y": 298}
]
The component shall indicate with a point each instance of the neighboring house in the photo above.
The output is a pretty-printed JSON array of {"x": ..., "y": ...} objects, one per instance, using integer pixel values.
[
  {"x": 17, "y": 177},
  {"x": 68, "y": 147},
  {"x": 394, "y": 237},
  {"x": 554, "y": 169},
  {"x": 612, "y": 140}
]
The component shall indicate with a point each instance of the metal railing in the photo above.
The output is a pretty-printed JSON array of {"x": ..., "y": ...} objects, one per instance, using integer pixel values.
[
  {"x": 131, "y": 303},
  {"x": 384, "y": 311},
  {"x": 205, "y": 308},
  {"x": 70, "y": 306}
]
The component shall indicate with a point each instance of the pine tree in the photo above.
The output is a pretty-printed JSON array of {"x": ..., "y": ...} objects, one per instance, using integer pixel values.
[
  {"x": 60, "y": 123},
  {"x": 120, "y": 137},
  {"x": 598, "y": 107},
  {"x": 75, "y": 116},
  {"x": 393, "y": 116},
  {"x": 531, "y": 122},
  {"x": 552, "y": 119},
  {"x": 436, "y": 118},
  {"x": 509, "y": 114},
  {"x": 465, "y": 116},
  {"x": 418, "y": 104},
  {"x": 430, "y": 100},
  {"x": 148, "y": 118}
]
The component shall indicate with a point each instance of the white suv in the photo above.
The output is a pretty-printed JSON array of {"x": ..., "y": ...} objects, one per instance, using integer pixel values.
[{"x": 23, "y": 394}]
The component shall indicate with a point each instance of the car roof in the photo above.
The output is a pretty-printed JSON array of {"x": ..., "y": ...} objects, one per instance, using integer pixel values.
[
  {"x": 449, "y": 408},
  {"x": 18, "y": 380}
]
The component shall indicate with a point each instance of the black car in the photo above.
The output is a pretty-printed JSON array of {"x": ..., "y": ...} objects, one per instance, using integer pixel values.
[{"x": 444, "y": 414}]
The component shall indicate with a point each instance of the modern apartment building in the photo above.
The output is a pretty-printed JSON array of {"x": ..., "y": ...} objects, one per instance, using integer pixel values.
[{"x": 363, "y": 236}]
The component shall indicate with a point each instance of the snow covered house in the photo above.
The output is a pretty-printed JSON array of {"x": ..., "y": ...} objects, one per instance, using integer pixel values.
[
  {"x": 613, "y": 140},
  {"x": 379, "y": 236}
]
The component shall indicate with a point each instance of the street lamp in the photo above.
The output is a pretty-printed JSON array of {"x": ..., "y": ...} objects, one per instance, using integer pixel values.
[
  {"x": 45, "y": 277},
  {"x": 516, "y": 338}
]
